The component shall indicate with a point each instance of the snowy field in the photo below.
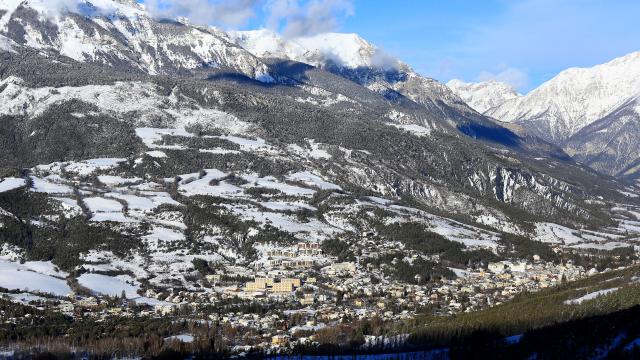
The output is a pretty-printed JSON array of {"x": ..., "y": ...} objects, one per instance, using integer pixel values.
[
  {"x": 14, "y": 276},
  {"x": 110, "y": 286},
  {"x": 8, "y": 184}
]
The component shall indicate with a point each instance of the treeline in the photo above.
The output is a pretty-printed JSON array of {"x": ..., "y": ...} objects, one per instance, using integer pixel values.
[
  {"x": 520, "y": 247},
  {"x": 338, "y": 248},
  {"x": 46, "y": 334},
  {"x": 602, "y": 259},
  {"x": 530, "y": 311},
  {"x": 415, "y": 271}
]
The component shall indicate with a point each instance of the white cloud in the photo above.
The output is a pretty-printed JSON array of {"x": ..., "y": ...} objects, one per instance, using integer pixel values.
[
  {"x": 384, "y": 60},
  {"x": 55, "y": 8},
  {"x": 226, "y": 13},
  {"x": 290, "y": 17},
  {"x": 294, "y": 18},
  {"x": 512, "y": 76}
]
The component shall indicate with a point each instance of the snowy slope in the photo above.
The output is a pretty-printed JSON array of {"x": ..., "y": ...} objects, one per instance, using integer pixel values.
[
  {"x": 267, "y": 44},
  {"x": 6, "y": 44},
  {"x": 11, "y": 184},
  {"x": 485, "y": 95},
  {"x": 259, "y": 163},
  {"x": 574, "y": 99}
]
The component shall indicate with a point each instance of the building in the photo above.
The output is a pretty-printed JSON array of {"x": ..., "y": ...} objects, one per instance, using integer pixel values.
[
  {"x": 255, "y": 286},
  {"x": 264, "y": 281},
  {"x": 308, "y": 246},
  {"x": 89, "y": 302},
  {"x": 281, "y": 254},
  {"x": 280, "y": 340},
  {"x": 274, "y": 262},
  {"x": 309, "y": 249},
  {"x": 341, "y": 268},
  {"x": 502, "y": 266},
  {"x": 307, "y": 300},
  {"x": 214, "y": 278},
  {"x": 66, "y": 307},
  {"x": 282, "y": 287},
  {"x": 496, "y": 268},
  {"x": 295, "y": 282},
  {"x": 518, "y": 267},
  {"x": 298, "y": 264}
]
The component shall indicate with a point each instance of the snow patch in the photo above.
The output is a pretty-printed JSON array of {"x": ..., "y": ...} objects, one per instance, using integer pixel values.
[
  {"x": 313, "y": 180},
  {"x": 590, "y": 296},
  {"x": 109, "y": 285},
  {"x": 9, "y": 184}
]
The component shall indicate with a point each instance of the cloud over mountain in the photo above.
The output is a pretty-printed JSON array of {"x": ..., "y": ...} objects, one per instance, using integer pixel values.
[
  {"x": 213, "y": 12},
  {"x": 296, "y": 18},
  {"x": 293, "y": 18}
]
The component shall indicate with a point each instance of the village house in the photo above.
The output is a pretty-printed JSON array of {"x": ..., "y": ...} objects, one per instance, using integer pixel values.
[{"x": 280, "y": 340}]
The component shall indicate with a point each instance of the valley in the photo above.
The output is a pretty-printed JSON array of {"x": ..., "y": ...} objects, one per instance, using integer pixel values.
[{"x": 175, "y": 190}]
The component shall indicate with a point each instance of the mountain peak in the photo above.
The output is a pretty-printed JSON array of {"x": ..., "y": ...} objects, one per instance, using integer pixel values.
[
  {"x": 485, "y": 95},
  {"x": 575, "y": 98},
  {"x": 346, "y": 50}
]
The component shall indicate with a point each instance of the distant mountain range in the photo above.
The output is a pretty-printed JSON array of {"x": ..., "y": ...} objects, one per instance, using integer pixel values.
[{"x": 590, "y": 112}]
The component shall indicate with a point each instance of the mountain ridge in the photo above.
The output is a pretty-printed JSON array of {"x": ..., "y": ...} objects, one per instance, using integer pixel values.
[
  {"x": 574, "y": 98},
  {"x": 485, "y": 95},
  {"x": 567, "y": 109}
]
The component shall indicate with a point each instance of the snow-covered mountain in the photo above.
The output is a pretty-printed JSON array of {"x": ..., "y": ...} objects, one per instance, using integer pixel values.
[
  {"x": 356, "y": 59},
  {"x": 346, "y": 50},
  {"x": 590, "y": 112},
  {"x": 484, "y": 95},
  {"x": 574, "y": 99},
  {"x": 120, "y": 33}
]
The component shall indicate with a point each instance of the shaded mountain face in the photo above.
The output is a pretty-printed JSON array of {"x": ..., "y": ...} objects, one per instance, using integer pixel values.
[
  {"x": 611, "y": 144},
  {"x": 321, "y": 149},
  {"x": 351, "y": 57}
]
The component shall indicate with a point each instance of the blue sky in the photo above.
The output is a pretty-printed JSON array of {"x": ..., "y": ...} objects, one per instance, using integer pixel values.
[{"x": 522, "y": 42}]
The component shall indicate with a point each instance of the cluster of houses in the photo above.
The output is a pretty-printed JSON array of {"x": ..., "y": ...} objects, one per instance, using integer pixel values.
[
  {"x": 302, "y": 256},
  {"x": 324, "y": 292}
]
